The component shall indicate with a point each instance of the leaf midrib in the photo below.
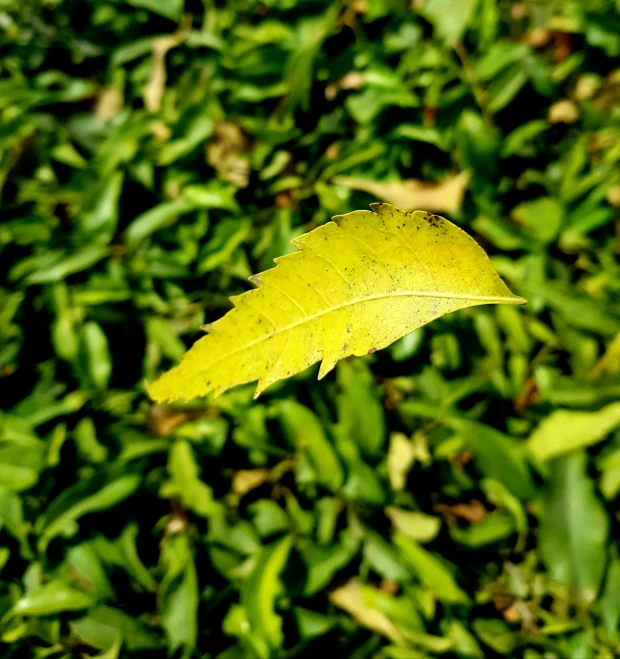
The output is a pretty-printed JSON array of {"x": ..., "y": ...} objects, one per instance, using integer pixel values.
[{"x": 490, "y": 299}]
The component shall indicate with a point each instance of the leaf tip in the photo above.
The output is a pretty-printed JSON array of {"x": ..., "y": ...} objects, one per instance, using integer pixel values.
[
  {"x": 326, "y": 366},
  {"x": 255, "y": 280},
  {"x": 151, "y": 389}
]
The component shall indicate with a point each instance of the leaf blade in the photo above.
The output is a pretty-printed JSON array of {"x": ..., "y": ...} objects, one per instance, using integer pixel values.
[{"x": 349, "y": 290}]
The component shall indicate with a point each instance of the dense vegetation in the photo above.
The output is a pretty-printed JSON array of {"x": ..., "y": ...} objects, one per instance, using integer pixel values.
[{"x": 455, "y": 494}]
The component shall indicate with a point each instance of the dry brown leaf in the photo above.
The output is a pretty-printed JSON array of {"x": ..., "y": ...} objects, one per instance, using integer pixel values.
[
  {"x": 512, "y": 613},
  {"x": 351, "y": 80},
  {"x": 587, "y": 86},
  {"x": 351, "y": 598},
  {"x": 564, "y": 111},
  {"x": 529, "y": 396},
  {"x": 225, "y": 153},
  {"x": 246, "y": 480},
  {"x": 154, "y": 90},
  {"x": 609, "y": 94},
  {"x": 472, "y": 512},
  {"x": 161, "y": 420},
  {"x": 539, "y": 37},
  {"x": 412, "y": 194},
  {"x": 109, "y": 102},
  {"x": 613, "y": 195}
]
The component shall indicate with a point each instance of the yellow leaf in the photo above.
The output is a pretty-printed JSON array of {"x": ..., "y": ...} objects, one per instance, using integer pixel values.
[
  {"x": 400, "y": 459},
  {"x": 564, "y": 111},
  {"x": 246, "y": 480},
  {"x": 357, "y": 284},
  {"x": 350, "y": 597},
  {"x": 446, "y": 196}
]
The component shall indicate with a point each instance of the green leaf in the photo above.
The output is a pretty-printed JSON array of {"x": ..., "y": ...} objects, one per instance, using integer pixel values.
[
  {"x": 498, "y": 456},
  {"x": 542, "y": 218},
  {"x": 383, "y": 558},
  {"x": 178, "y": 594},
  {"x": 96, "y": 354},
  {"x": 566, "y": 430},
  {"x": 574, "y": 527},
  {"x": 496, "y": 634},
  {"x": 360, "y": 413},
  {"x": 305, "y": 432},
  {"x": 73, "y": 503},
  {"x": 259, "y": 592},
  {"x": 415, "y": 525},
  {"x": 322, "y": 562},
  {"x": 608, "y": 605},
  {"x": 56, "y": 266},
  {"x": 171, "y": 9},
  {"x": 186, "y": 484},
  {"x": 448, "y": 18},
  {"x": 226, "y": 238},
  {"x": 104, "y": 626},
  {"x": 53, "y": 597},
  {"x": 493, "y": 528},
  {"x": 153, "y": 220},
  {"x": 430, "y": 571},
  {"x": 84, "y": 568}
]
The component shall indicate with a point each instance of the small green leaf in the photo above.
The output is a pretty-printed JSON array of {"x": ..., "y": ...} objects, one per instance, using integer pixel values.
[
  {"x": 574, "y": 527},
  {"x": 450, "y": 19},
  {"x": 305, "y": 432},
  {"x": 430, "y": 571},
  {"x": 52, "y": 597},
  {"x": 566, "y": 430},
  {"x": 259, "y": 592}
]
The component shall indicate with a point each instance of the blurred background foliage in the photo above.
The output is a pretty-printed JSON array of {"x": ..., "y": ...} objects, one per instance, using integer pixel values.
[{"x": 453, "y": 495}]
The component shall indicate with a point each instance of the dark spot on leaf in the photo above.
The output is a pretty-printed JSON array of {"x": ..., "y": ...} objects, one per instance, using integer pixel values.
[{"x": 372, "y": 350}]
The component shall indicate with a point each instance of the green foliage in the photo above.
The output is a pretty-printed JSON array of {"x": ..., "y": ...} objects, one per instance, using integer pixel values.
[{"x": 454, "y": 494}]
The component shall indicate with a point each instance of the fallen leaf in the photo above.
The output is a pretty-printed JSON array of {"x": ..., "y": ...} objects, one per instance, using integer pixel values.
[
  {"x": 154, "y": 90},
  {"x": 529, "y": 396},
  {"x": 400, "y": 458},
  {"x": 471, "y": 512},
  {"x": 226, "y": 154},
  {"x": 350, "y": 598},
  {"x": 351, "y": 80},
  {"x": 564, "y": 111},
  {"x": 512, "y": 613},
  {"x": 539, "y": 37},
  {"x": 161, "y": 420},
  {"x": 410, "y": 194},
  {"x": 563, "y": 46},
  {"x": 613, "y": 195},
  {"x": 356, "y": 284},
  {"x": 109, "y": 102},
  {"x": 609, "y": 94},
  {"x": 246, "y": 480}
]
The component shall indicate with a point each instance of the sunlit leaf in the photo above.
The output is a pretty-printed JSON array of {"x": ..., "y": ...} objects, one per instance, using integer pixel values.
[{"x": 356, "y": 285}]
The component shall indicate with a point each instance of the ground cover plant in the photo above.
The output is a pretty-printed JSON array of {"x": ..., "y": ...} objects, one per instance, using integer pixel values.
[{"x": 454, "y": 494}]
